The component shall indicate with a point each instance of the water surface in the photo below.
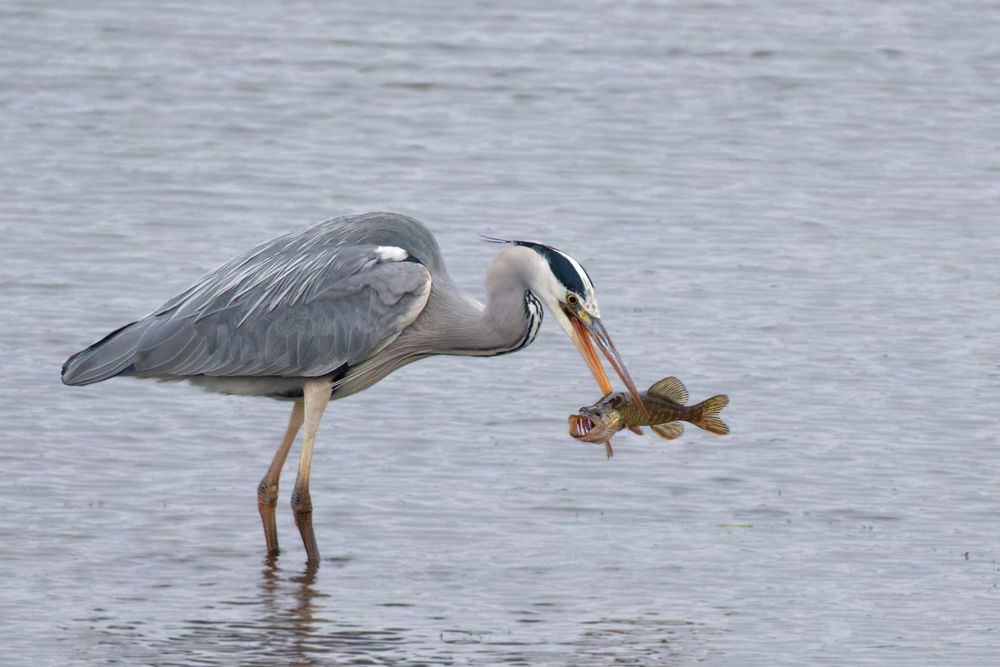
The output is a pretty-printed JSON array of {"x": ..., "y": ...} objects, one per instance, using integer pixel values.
[{"x": 791, "y": 203}]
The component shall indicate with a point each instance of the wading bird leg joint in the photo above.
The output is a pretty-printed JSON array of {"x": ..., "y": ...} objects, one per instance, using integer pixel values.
[
  {"x": 267, "y": 494},
  {"x": 302, "y": 505}
]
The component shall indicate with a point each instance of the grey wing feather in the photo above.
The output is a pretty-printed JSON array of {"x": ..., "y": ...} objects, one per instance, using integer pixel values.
[
  {"x": 300, "y": 316},
  {"x": 300, "y": 305}
]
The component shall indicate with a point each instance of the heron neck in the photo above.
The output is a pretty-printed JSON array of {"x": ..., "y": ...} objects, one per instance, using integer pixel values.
[
  {"x": 507, "y": 322},
  {"x": 512, "y": 315},
  {"x": 454, "y": 323}
]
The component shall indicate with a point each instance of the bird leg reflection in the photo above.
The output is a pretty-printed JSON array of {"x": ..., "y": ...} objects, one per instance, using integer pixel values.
[
  {"x": 267, "y": 491},
  {"x": 315, "y": 396},
  {"x": 289, "y": 605}
]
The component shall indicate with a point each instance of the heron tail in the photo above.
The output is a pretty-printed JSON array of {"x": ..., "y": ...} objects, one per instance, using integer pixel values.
[{"x": 108, "y": 357}]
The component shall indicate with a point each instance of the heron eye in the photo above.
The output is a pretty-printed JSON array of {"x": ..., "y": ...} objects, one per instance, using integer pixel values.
[{"x": 572, "y": 299}]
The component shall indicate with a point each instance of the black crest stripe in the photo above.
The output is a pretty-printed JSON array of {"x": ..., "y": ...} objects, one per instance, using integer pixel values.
[{"x": 562, "y": 268}]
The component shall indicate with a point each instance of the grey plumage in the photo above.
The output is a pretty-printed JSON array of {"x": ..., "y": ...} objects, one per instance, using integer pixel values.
[{"x": 324, "y": 301}]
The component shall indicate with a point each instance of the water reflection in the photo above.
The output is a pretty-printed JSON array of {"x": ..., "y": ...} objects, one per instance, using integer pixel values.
[
  {"x": 298, "y": 617},
  {"x": 289, "y": 619},
  {"x": 284, "y": 623}
]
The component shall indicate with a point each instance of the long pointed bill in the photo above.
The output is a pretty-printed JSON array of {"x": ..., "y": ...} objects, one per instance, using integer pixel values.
[{"x": 582, "y": 339}]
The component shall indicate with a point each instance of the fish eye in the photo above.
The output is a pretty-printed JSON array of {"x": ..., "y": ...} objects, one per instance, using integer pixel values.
[{"x": 572, "y": 299}]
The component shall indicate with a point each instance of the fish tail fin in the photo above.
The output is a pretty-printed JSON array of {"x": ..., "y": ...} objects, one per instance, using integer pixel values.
[{"x": 705, "y": 415}]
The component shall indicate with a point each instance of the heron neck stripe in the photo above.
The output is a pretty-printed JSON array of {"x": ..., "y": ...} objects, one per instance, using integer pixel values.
[
  {"x": 531, "y": 307},
  {"x": 533, "y": 313}
]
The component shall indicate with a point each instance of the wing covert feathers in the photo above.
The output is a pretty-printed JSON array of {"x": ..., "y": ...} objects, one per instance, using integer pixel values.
[{"x": 300, "y": 305}]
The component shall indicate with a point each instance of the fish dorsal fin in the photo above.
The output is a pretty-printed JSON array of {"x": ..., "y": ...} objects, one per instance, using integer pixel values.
[
  {"x": 670, "y": 388},
  {"x": 669, "y": 431}
]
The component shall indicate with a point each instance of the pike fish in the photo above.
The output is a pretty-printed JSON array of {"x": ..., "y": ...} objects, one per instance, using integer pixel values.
[{"x": 665, "y": 410}]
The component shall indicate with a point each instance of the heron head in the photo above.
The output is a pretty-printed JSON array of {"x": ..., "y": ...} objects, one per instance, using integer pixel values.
[{"x": 564, "y": 286}]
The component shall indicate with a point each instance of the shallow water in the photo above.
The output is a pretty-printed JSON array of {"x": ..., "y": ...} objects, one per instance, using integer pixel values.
[{"x": 792, "y": 204}]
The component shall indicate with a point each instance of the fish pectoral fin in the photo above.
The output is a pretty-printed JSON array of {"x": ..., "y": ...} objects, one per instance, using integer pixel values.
[
  {"x": 669, "y": 431},
  {"x": 636, "y": 430},
  {"x": 670, "y": 388},
  {"x": 607, "y": 449}
]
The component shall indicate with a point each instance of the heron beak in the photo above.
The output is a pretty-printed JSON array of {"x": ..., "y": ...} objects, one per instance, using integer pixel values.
[{"x": 584, "y": 336}]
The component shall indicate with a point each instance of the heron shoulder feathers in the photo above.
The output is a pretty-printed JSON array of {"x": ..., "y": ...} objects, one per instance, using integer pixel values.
[{"x": 302, "y": 305}]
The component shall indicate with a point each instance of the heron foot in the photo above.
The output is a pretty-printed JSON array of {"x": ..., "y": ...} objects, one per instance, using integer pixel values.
[
  {"x": 302, "y": 510},
  {"x": 267, "y": 501}
]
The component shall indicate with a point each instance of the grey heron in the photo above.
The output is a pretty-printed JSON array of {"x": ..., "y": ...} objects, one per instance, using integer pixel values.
[{"x": 322, "y": 313}]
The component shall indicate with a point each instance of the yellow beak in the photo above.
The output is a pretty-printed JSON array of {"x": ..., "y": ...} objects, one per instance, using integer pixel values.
[{"x": 584, "y": 336}]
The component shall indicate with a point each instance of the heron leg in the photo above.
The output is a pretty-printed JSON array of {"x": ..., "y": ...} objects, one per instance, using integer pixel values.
[
  {"x": 267, "y": 491},
  {"x": 315, "y": 396}
]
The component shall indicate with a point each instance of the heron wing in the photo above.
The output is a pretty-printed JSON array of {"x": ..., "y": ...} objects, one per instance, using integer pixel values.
[{"x": 302, "y": 305}]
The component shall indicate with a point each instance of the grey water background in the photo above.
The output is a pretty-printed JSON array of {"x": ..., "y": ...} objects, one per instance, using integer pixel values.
[{"x": 793, "y": 203}]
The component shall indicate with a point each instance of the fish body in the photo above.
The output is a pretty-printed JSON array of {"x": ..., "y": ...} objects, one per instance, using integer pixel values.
[{"x": 664, "y": 411}]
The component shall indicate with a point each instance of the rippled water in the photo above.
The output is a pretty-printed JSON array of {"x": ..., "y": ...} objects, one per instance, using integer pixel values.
[{"x": 794, "y": 203}]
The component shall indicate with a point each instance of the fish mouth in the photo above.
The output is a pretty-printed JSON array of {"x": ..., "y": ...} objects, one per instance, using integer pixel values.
[{"x": 580, "y": 426}]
